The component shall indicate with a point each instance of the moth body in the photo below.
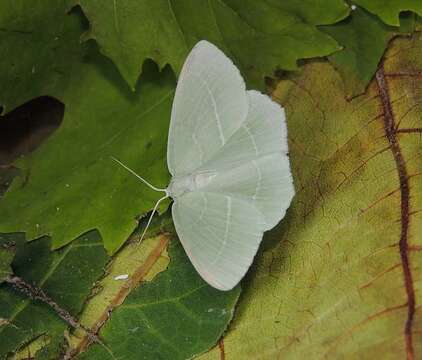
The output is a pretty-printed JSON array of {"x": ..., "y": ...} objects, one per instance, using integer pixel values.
[{"x": 180, "y": 185}]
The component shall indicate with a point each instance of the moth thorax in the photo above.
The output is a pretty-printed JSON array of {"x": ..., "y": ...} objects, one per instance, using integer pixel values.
[
  {"x": 203, "y": 179},
  {"x": 183, "y": 184}
]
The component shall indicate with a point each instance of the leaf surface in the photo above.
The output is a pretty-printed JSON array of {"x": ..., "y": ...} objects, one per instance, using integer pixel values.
[
  {"x": 40, "y": 47},
  {"x": 175, "y": 316},
  {"x": 259, "y": 36},
  {"x": 70, "y": 185},
  {"x": 6, "y": 257},
  {"x": 341, "y": 276},
  {"x": 130, "y": 268},
  {"x": 66, "y": 276},
  {"x": 7, "y": 253},
  {"x": 364, "y": 38},
  {"x": 389, "y": 10}
]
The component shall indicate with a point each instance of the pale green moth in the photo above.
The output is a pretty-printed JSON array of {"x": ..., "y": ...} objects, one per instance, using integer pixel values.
[{"x": 227, "y": 154}]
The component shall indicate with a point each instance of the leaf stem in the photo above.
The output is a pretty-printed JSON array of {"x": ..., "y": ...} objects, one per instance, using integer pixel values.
[{"x": 36, "y": 293}]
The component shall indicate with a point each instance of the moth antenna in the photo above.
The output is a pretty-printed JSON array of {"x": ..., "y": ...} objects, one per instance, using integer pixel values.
[
  {"x": 152, "y": 214},
  {"x": 138, "y": 176}
]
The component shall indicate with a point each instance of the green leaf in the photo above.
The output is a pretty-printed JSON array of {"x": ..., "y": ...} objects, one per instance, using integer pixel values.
[
  {"x": 6, "y": 177},
  {"x": 259, "y": 36},
  {"x": 6, "y": 257},
  {"x": 342, "y": 276},
  {"x": 70, "y": 184},
  {"x": 8, "y": 242},
  {"x": 7, "y": 253},
  {"x": 40, "y": 46},
  {"x": 66, "y": 275},
  {"x": 389, "y": 10},
  {"x": 134, "y": 264},
  {"x": 175, "y": 316},
  {"x": 364, "y": 38}
]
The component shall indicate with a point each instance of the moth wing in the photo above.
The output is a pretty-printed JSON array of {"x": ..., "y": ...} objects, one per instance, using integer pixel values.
[
  {"x": 209, "y": 105},
  {"x": 220, "y": 234},
  {"x": 254, "y": 164}
]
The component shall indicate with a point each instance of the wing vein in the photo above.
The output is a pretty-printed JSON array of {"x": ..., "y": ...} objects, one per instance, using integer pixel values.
[
  {"x": 248, "y": 131},
  {"x": 226, "y": 230},
  {"x": 228, "y": 218},
  {"x": 198, "y": 145},
  {"x": 258, "y": 184},
  {"x": 205, "y": 208},
  {"x": 214, "y": 105}
]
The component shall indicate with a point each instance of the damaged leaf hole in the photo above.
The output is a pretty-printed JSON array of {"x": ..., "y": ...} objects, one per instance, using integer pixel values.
[{"x": 26, "y": 127}]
